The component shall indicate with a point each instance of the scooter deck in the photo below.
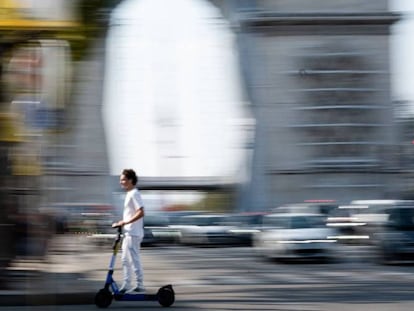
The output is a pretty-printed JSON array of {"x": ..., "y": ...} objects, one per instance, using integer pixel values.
[{"x": 136, "y": 297}]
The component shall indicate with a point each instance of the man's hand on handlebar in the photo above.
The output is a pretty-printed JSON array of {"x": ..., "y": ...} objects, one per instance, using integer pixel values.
[{"x": 120, "y": 223}]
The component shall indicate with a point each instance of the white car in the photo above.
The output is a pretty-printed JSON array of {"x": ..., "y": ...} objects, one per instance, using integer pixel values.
[
  {"x": 206, "y": 229},
  {"x": 295, "y": 236}
]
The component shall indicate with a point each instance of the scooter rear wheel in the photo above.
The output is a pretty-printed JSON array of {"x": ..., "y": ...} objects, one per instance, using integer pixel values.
[
  {"x": 103, "y": 298},
  {"x": 166, "y": 296}
]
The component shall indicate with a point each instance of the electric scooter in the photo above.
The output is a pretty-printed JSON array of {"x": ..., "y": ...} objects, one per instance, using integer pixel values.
[{"x": 103, "y": 298}]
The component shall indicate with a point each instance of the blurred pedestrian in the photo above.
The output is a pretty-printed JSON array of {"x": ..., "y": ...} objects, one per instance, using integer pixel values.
[{"x": 133, "y": 228}]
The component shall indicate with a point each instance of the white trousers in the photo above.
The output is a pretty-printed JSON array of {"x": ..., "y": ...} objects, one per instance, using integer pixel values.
[{"x": 131, "y": 261}]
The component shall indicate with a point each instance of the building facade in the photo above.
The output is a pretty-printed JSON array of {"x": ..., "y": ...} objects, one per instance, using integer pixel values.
[{"x": 317, "y": 75}]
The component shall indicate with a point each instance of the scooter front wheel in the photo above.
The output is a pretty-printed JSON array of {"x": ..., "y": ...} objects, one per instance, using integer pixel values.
[
  {"x": 103, "y": 298},
  {"x": 166, "y": 296}
]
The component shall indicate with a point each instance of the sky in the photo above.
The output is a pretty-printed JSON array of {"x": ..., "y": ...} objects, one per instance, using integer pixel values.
[{"x": 402, "y": 51}]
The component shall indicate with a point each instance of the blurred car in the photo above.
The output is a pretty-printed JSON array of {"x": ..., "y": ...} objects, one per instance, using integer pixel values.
[
  {"x": 206, "y": 230},
  {"x": 148, "y": 239},
  {"x": 157, "y": 227},
  {"x": 295, "y": 236},
  {"x": 307, "y": 207},
  {"x": 80, "y": 217},
  {"x": 347, "y": 224},
  {"x": 372, "y": 213},
  {"x": 244, "y": 226},
  {"x": 396, "y": 240}
]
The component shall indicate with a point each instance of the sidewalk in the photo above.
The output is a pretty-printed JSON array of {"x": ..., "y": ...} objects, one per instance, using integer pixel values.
[{"x": 71, "y": 273}]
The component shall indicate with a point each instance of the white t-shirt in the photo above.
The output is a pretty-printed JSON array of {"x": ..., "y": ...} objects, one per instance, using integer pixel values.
[{"x": 133, "y": 202}]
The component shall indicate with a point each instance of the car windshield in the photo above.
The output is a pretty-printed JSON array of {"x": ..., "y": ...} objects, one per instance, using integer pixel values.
[
  {"x": 202, "y": 220},
  {"x": 296, "y": 221},
  {"x": 299, "y": 222}
]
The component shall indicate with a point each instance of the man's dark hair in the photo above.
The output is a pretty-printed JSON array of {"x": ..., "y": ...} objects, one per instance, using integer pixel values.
[{"x": 130, "y": 175}]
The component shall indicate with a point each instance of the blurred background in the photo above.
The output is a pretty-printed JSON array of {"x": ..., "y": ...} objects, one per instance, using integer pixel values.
[{"x": 231, "y": 107}]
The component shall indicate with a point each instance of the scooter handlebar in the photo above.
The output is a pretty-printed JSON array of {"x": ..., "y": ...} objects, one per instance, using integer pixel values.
[{"x": 116, "y": 226}]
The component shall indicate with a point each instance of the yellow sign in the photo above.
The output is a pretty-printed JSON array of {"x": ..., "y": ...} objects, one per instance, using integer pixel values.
[
  {"x": 10, "y": 9},
  {"x": 13, "y": 16}
]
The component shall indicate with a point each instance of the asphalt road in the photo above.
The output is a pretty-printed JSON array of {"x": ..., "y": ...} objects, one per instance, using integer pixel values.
[{"x": 238, "y": 279}]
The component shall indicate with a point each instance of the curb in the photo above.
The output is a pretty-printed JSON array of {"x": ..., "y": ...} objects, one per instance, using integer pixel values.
[{"x": 47, "y": 299}]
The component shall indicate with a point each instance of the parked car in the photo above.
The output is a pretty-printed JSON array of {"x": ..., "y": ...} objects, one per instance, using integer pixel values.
[
  {"x": 307, "y": 207},
  {"x": 244, "y": 226},
  {"x": 81, "y": 217},
  {"x": 373, "y": 214},
  {"x": 396, "y": 240},
  {"x": 157, "y": 226},
  {"x": 149, "y": 239},
  {"x": 295, "y": 236},
  {"x": 206, "y": 230},
  {"x": 344, "y": 219}
]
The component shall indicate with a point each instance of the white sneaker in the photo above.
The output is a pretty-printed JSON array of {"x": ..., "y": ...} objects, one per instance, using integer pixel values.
[
  {"x": 124, "y": 288},
  {"x": 139, "y": 289}
]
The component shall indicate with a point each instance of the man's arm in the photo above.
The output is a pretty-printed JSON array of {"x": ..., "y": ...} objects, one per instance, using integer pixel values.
[{"x": 138, "y": 214}]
